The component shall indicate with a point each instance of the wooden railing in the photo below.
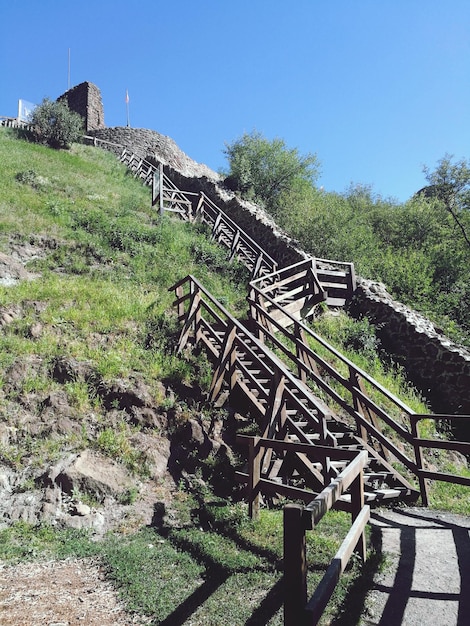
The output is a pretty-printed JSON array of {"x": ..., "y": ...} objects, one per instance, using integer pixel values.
[
  {"x": 297, "y": 520},
  {"x": 328, "y": 372},
  {"x": 298, "y": 288},
  {"x": 225, "y": 231},
  {"x": 338, "y": 278},
  {"x": 300, "y": 518},
  {"x": 198, "y": 206},
  {"x": 291, "y": 292},
  {"x": 266, "y": 382}
]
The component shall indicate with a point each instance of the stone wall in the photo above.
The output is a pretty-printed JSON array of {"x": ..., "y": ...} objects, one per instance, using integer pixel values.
[
  {"x": 436, "y": 365},
  {"x": 85, "y": 99},
  {"x": 439, "y": 368}
]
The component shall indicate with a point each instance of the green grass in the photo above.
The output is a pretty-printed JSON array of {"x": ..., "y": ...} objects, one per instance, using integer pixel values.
[{"x": 214, "y": 566}]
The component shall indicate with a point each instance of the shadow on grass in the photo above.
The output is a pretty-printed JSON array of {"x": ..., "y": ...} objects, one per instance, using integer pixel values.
[
  {"x": 216, "y": 575},
  {"x": 215, "y": 579}
]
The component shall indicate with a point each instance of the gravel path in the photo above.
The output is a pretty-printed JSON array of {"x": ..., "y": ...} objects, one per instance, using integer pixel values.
[{"x": 426, "y": 579}]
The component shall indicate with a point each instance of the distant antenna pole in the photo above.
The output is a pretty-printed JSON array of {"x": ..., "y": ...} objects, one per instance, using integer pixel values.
[
  {"x": 127, "y": 108},
  {"x": 68, "y": 75}
]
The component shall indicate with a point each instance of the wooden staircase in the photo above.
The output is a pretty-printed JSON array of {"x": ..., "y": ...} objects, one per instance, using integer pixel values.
[
  {"x": 259, "y": 383},
  {"x": 331, "y": 281}
]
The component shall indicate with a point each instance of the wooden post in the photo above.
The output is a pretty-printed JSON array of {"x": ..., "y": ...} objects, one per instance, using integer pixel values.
[
  {"x": 300, "y": 336},
  {"x": 254, "y": 458},
  {"x": 295, "y": 566},
  {"x": 199, "y": 207},
  {"x": 192, "y": 318},
  {"x": 228, "y": 356},
  {"x": 357, "y": 503},
  {"x": 216, "y": 226},
  {"x": 234, "y": 246},
  {"x": 423, "y": 487},
  {"x": 155, "y": 187},
  {"x": 179, "y": 295},
  {"x": 366, "y": 412},
  {"x": 160, "y": 175},
  {"x": 354, "y": 380}
]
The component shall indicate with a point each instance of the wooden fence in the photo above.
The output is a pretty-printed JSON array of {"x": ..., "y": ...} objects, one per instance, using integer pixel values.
[
  {"x": 351, "y": 389},
  {"x": 192, "y": 206},
  {"x": 297, "y": 520},
  {"x": 245, "y": 363}
]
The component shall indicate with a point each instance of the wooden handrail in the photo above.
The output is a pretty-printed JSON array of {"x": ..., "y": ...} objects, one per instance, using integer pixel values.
[
  {"x": 297, "y": 520},
  {"x": 302, "y": 361},
  {"x": 200, "y": 301}
]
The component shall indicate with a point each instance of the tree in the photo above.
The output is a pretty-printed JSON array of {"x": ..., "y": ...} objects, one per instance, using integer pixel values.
[
  {"x": 450, "y": 184},
  {"x": 55, "y": 124},
  {"x": 262, "y": 170}
]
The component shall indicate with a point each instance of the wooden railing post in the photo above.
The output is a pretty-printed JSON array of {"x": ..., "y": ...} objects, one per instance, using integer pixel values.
[
  {"x": 192, "y": 318},
  {"x": 295, "y": 566},
  {"x": 357, "y": 503},
  {"x": 200, "y": 206},
  {"x": 365, "y": 411},
  {"x": 354, "y": 380},
  {"x": 155, "y": 187},
  {"x": 227, "y": 356},
  {"x": 160, "y": 176},
  {"x": 180, "y": 302},
  {"x": 254, "y": 472},
  {"x": 423, "y": 486}
]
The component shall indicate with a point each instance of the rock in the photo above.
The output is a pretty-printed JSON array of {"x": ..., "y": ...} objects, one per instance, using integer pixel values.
[
  {"x": 146, "y": 417},
  {"x": 156, "y": 452},
  {"x": 35, "y": 331},
  {"x": 56, "y": 404},
  {"x": 126, "y": 394},
  {"x": 68, "y": 369},
  {"x": 6, "y": 433},
  {"x": 93, "y": 474},
  {"x": 81, "y": 509}
]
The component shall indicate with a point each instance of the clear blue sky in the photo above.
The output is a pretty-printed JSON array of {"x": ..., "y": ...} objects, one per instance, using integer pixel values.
[{"x": 375, "y": 88}]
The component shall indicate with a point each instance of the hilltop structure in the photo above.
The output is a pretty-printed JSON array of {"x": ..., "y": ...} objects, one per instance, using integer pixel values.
[{"x": 85, "y": 99}]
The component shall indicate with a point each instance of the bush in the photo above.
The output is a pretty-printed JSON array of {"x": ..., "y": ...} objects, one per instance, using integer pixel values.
[{"x": 55, "y": 124}]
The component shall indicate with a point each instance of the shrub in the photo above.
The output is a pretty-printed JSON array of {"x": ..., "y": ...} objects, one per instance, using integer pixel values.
[{"x": 55, "y": 124}]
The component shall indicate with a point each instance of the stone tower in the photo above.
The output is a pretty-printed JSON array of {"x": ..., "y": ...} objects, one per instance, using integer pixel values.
[{"x": 85, "y": 99}]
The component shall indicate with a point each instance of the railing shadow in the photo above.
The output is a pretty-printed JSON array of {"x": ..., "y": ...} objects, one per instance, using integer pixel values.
[
  {"x": 402, "y": 591},
  {"x": 216, "y": 575}
]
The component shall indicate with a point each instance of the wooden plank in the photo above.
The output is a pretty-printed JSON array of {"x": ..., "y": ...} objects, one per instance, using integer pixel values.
[
  {"x": 317, "y": 603},
  {"x": 445, "y": 477}
]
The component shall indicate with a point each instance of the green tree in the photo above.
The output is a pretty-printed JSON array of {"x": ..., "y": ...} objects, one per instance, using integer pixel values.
[
  {"x": 262, "y": 170},
  {"x": 55, "y": 124},
  {"x": 450, "y": 184}
]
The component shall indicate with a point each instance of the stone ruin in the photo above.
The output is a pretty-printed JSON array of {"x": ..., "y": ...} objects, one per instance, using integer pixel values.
[{"x": 85, "y": 99}]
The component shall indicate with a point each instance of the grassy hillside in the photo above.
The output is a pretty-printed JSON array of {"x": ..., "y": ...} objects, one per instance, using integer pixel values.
[{"x": 99, "y": 265}]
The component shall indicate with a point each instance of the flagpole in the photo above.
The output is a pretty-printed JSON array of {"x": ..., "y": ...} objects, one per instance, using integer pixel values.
[{"x": 127, "y": 108}]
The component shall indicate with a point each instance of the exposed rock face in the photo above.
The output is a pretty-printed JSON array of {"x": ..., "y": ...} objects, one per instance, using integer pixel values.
[
  {"x": 93, "y": 474},
  {"x": 148, "y": 143}
]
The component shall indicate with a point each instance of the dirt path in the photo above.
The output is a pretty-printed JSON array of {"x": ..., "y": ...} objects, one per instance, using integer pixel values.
[
  {"x": 61, "y": 593},
  {"x": 427, "y": 575}
]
